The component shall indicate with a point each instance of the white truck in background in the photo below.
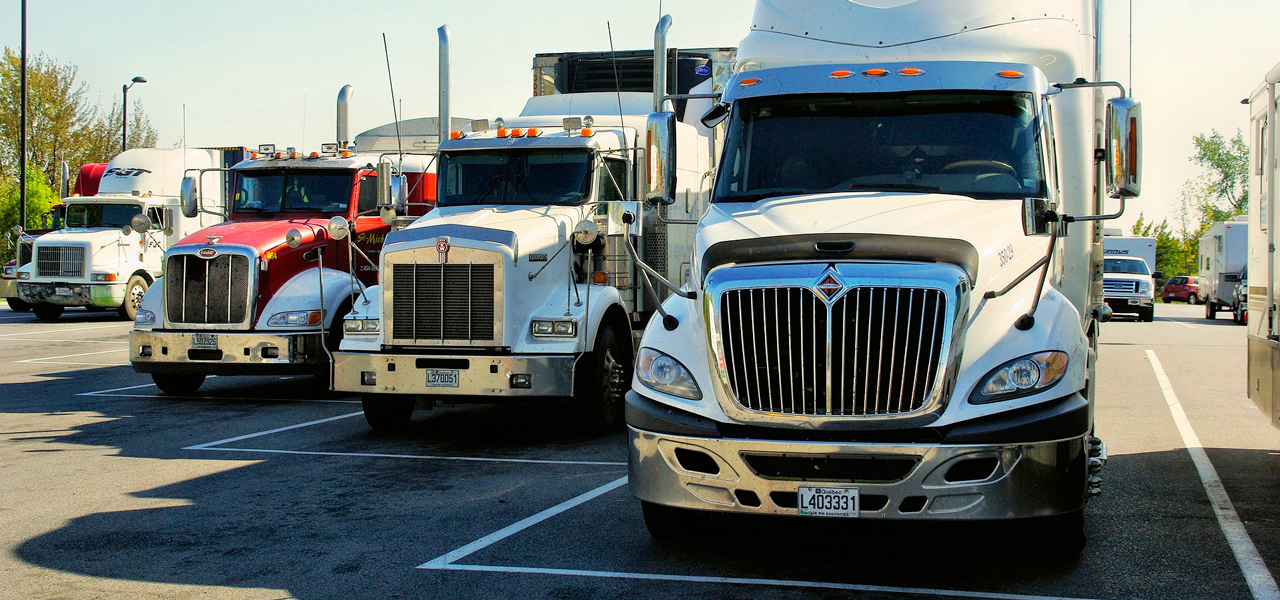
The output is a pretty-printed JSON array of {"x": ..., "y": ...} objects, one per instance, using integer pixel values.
[
  {"x": 524, "y": 283},
  {"x": 110, "y": 248},
  {"x": 1129, "y": 274},
  {"x": 1131, "y": 245},
  {"x": 1263, "y": 293},
  {"x": 1223, "y": 258},
  {"x": 897, "y": 291}
]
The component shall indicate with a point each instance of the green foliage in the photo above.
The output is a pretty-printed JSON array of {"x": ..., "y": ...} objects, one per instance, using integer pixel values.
[
  {"x": 40, "y": 201},
  {"x": 1173, "y": 254},
  {"x": 1228, "y": 163}
]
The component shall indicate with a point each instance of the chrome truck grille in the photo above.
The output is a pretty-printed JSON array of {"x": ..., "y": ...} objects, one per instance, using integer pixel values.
[
  {"x": 208, "y": 291},
  {"x": 1122, "y": 286},
  {"x": 60, "y": 261},
  {"x": 873, "y": 351},
  {"x": 458, "y": 303}
]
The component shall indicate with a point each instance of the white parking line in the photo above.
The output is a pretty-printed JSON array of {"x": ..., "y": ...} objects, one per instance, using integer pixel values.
[
  {"x": 52, "y": 358},
  {"x": 1185, "y": 324},
  {"x": 536, "y": 461},
  {"x": 65, "y": 330},
  {"x": 1261, "y": 584},
  {"x": 447, "y": 562},
  {"x": 120, "y": 389},
  {"x": 235, "y": 398},
  {"x": 207, "y": 445},
  {"x": 81, "y": 364}
]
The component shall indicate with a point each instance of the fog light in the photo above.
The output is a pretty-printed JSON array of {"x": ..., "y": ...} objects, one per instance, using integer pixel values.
[
  {"x": 270, "y": 352},
  {"x": 521, "y": 381},
  {"x": 144, "y": 351},
  {"x": 368, "y": 378}
]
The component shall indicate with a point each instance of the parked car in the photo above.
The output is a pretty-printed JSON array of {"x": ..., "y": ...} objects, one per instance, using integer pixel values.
[{"x": 1181, "y": 289}]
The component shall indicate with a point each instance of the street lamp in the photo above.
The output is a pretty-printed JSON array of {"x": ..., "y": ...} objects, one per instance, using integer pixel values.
[{"x": 124, "y": 113}]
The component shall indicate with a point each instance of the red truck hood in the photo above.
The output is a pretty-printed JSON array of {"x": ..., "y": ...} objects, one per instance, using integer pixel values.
[{"x": 262, "y": 235}]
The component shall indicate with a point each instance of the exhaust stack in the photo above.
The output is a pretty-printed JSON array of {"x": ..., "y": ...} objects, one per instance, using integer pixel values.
[
  {"x": 344, "y": 110},
  {"x": 660, "y": 61},
  {"x": 444, "y": 121}
]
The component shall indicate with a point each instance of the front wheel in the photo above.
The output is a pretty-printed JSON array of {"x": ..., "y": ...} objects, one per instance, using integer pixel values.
[
  {"x": 1238, "y": 315},
  {"x": 1210, "y": 310},
  {"x": 178, "y": 384},
  {"x": 600, "y": 381},
  {"x": 1148, "y": 315},
  {"x": 387, "y": 412},
  {"x": 671, "y": 524},
  {"x": 134, "y": 290},
  {"x": 18, "y": 305},
  {"x": 47, "y": 312}
]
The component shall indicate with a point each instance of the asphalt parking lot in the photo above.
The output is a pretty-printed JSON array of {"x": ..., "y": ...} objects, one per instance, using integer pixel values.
[{"x": 275, "y": 488}]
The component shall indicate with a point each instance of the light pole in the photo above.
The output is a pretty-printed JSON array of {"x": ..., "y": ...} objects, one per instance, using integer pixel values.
[{"x": 124, "y": 113}]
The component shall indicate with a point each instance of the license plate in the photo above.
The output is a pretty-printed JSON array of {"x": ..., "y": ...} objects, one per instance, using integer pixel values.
[
  {"x": 827, "y": 502},
  {"x": 204, "y": 340},
  {"x": 1133, "y": 301},
  {"x": 442, "y": 378},
  {"x": 62, "y": 291}
]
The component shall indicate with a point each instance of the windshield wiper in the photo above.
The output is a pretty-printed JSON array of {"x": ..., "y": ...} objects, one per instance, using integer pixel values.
[
  {"x": 860, "y": 187},
  {"x": 489, "y": 190}
]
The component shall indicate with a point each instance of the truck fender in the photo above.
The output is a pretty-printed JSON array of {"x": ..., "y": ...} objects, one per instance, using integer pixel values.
[
  {"x": 687, "y": 345},
  {"x": 153, "y": 301},
  {"x": 606, "y": 306},
  {"x": 302, "y": 293}
]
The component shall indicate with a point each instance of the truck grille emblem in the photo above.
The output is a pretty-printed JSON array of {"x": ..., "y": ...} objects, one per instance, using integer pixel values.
[
  {"x": 207, "y": 253},
  {"x": 829, "y": 287},
  {"x": 442, "y": 246}
]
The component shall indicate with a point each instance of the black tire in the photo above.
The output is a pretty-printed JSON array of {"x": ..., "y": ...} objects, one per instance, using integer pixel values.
[
  {"x": 1210, "y": 310},
  {"x": 133, "y": 292},
  {"x": 387, "y": 412},
  {"x": 1193, "y": 299},
  {"x": 47, "y": 312},
  {"x": 600, "y": 381},
  {"x": 671, "y": 524},
  {"x": 178, "y": 384},
  {"x": 1148, "y": 315},
  {"x": 1237, "y": 315},
  {"x": 18, "y": 305}
]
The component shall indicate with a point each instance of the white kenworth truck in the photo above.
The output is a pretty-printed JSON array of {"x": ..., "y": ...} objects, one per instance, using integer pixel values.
[
  {"x": 109, "y": 250},
  {"x": 896, "y": 292},
  {"x": 523, "y": 283}
]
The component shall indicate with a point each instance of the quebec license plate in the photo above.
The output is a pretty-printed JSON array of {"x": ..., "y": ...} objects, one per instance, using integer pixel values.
[
  {"x": 208, "y": 341},
  {"x": 827, "y": 502},
  {"x": 1133, "y": 301},
  {"x": 442, "y": 378},
  {"x": 62, "y": 291}
]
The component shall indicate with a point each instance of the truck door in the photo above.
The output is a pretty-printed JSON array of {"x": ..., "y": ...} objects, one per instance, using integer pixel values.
[{"x": 370, "y": 231}]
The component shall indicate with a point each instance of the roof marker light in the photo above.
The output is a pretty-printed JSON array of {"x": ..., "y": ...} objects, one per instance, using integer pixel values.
[
  {"x": 841, "y": 74},
  {"x": 456, "y": 135},
  {"x": 911, "y": 72},
  {"x": 875, "y": 73},
  {"x": 502, "y": 132},
  {"x": 533, "y": 132},
  {"x": 314, "y": 155},
  {"x": 278, "y": 155},
  {"x": 346, "y": 154},
  {"x": 517, "y": 132},
  {"x": 587, "y": 132},
  {"x": 750, "y": 81},
  {"x": 1010, "y": 74},
  {"x": 253, "y": 155}
]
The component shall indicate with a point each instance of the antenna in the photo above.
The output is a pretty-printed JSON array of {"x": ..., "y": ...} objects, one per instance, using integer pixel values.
[
  {"x": 303, "y": 143},
  {"x": 395, "y": 114},
  {"x": 184, "y": 139},
  {"x": 1130, "y": 47},
  {"x": 617, "y": 86}
]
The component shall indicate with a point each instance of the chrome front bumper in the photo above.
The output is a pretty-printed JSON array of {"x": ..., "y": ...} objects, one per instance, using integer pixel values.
[
  {"x": 1028, "y": 480},
  {"x": 238, "y": 353},
  {"x": 106, "y": 295},
  {"x": 478, "y": 375}
]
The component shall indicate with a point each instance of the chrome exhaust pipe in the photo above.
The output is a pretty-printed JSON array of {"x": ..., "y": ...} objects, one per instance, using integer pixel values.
[
  {"x": 344, "y": 111},
  {"x": 660, "y": 61},
  {"x": 444, "y": 125}
]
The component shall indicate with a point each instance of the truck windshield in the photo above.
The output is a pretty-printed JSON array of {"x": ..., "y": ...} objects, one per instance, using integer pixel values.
[
  {"x": 526, "y": 177},
  {"x": 975, "y": 144},
  {"x": 293, "y": 191},
  {"x": 101, "y": 215},
  {"x": 1126, "y": 267}
]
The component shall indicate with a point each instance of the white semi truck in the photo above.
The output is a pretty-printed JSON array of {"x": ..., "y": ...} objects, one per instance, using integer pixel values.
[
  {"x": 524, "y": 282},
  {"x": 1222, "y": 259},
  {"x": 1263, "y": 293},
  {"x": 897, "y": 291},
  {"x": 110, "y": 248}
]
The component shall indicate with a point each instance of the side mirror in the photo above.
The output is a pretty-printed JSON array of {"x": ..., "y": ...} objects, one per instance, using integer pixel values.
[
  {"x": 190, "y": 198},
  {"x": 1158, "y": 275},
  {"x": 140, "y": 223},
  {"x": 293, "y": 238},
  {"x": 337, "y": 228},
  {"x": 387, "y": 214},
  {"x": 715, "y": 115},
  {"x": 586, "y": 233},
  {"x": 1035, "y": 213},
  {"x": 1124, "y": 147},
  {"x": 660, "y": 153},
  {"x": 168, "y": 221},
  {"x": 126, "y": 230}
]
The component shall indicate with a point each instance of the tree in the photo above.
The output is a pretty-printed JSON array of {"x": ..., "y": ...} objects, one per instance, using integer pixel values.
[
  {"x": 1171, "y": 250},
  {"x": 40, "y": 200},
  {"x": 1228, "y": 163}
]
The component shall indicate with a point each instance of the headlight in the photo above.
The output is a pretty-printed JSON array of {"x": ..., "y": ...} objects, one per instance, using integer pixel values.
[
  {"x": 24, "y": 275},
  {"x": 666, "y": 375},
  {"x": 1021, "y": 377},
  {"x": 104, "y": 277},
  {"x": 297, "y": 318},
  {"x": 144, "y": 317},
  {"x": 1144, "y": 285},
  {"x": 555, "y": 328},
  {"x": 361, "y": 325}
]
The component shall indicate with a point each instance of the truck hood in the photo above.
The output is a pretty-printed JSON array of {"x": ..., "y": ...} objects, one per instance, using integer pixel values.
[
  {"x": 536, "y": 228},
  {"x": 261, "y": 235},
  {"x": 992, "y": 227},
  {"x": 95, "y": 237}
]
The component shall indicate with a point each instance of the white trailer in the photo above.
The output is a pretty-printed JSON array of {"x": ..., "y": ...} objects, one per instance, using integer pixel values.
[
  {"x": 897, "y": 291},
  {"x": 524, "y": 283},
  {"x": 1262, "y": 293},
  {"x": 112, "y": 244},
  {"x": 1223, "y": 257},
  {"x": 1141, "y": 247}
]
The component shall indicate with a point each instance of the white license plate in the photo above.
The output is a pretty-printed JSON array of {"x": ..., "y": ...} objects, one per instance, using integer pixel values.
[
  {"x": 204, "y": 340},
  {"x": 1133, "y": 301},
  {"x": 62, "y": 291},
  {"x": 442, "y": 378},
  {"x": 827, "y": 502}
]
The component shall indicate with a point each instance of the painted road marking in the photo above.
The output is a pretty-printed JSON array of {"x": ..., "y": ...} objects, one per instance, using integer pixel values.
[
  {"x": 536, "y": 461},
  {"x": 50, "y": 358},
  {"x": 233, "y": 398},
  {"x": 448, "y": 562},
  {"x": 1261, "y": 584},
  {"x": 119, "y": 389},
  {"x": 208, "y": 445},
  {"x": 5, "y": 335}
]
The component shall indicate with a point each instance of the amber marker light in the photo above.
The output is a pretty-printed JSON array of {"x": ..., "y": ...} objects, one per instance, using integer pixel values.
[
  {"x": 533, "y": 132},
  {"x": 840, "y": 74},
  {"x": 346, "y": 154},
  {"x": 750, "y": 81},
  {"x": 455, "y": 135},
  {"x": 502, "y": 132},
  {"x": 875, "y": 72},
  {"x": 911, "y": 72},
  {"x": 600, "y": 278},
  {"x": 314, "y": 155},
  {"x": 1010, "y": 74},
  {"x": 586, "y": 132},
  {"x": 517, "y": 132}
]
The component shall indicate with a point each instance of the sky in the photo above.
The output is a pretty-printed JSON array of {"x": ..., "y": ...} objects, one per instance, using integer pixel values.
[{"x": 269, "y": 71}]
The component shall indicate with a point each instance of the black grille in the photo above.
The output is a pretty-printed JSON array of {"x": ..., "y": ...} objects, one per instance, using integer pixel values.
[
  {"x": 60, "y": 261},
  {"x": 206, "y": 292},
  {"x": 885, "y": 349},
  {"x": 854, "y": 469},
  {"x": 449, "y": 302},
  {"x": 24, "y": 253}
]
